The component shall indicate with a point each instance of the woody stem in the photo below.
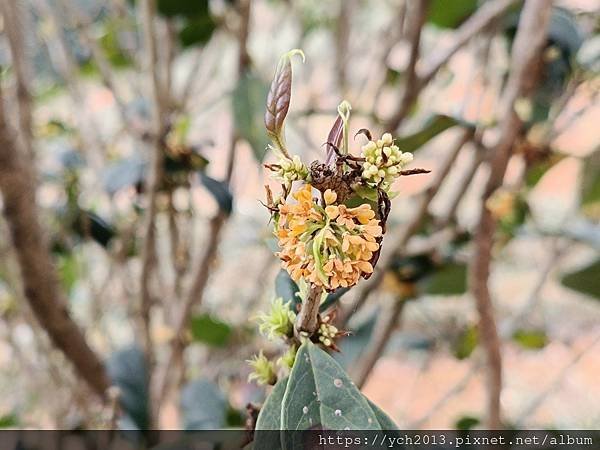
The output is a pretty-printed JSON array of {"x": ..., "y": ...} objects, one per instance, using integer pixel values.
[{"x": 307, "y": 321}]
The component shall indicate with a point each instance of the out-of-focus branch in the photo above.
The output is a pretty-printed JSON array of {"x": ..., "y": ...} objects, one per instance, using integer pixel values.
[
  {"x": 488, "y": 13},
  {"x": 307, "y": 322},
  {"x": 417, "y": 16},
  {"x": 409, "y": 230},
  {"x": 14, "y": 25},
  {"x": 526, "y": 52},
  {"x": 480, "y": 20},
  {"x": 155, "y": 174},
  {"x": 82, "y": 25},
  {"x": 62, "y": 59},
  {"x": 40, "y": 279},
  {"x": 161, "y": 387},
  {"x": 387, "y": 323},
  {"x": 539, "y": 400}
]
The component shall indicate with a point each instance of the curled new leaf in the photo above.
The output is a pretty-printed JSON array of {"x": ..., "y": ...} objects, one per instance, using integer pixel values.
[{"x": 278, "y": 100}]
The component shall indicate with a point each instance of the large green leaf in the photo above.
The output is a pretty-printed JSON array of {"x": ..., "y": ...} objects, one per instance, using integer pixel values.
[
  {"x": 210, "y": 330},
  {"x": 269, "y": 417},
  {"x": 382, "y": 418},
  {"x": 89, "y": 224},
  {"x": 434, "y": 126},
  {"x": 449, "y": 279},
  {"x": 585, "y": 280},
  {"x": 203, "y": 406},
  {"x": 450, "y": 13},
  {"x": 127, "y": 370},
  {"x": 248, "y": 100},
  {"x": 320, "y": 394}
]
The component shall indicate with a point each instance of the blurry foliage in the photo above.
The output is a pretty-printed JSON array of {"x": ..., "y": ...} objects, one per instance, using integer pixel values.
[
  {"x": 249, "y": 93},
  {"x": 465, "y": 342},
  {"x": 210, "y": 330},
  {"x": 445, "y": 14},
  {"x": 530, "y": 339},
  {"x": 585, "y": 280}
]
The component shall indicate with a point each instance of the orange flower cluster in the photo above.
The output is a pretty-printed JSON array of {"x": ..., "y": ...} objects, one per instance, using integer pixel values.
[{"x": 329, "y": 246}]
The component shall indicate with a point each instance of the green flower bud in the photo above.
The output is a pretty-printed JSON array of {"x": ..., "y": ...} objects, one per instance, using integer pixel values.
[
  {"x": 288, "y": 358},
  {"x": 383, "y": 162},
  {"x": 279, "y": 321},
  {"x": 264, "y": 370}
]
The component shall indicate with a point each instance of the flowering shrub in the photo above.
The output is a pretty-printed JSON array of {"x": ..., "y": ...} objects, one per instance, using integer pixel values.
[{"x": 329, "y": 221}]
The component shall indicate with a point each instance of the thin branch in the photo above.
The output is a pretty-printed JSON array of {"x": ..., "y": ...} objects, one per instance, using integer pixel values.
[
  {"x": 306, "y": 321},
  {"x": 384, "y": 330},
  {"x": 418, "y": 15},
  {"x": 40, "y": 279},
  {"x": 14, "y": 24},
  {"x": 155, "y": 174},
  {"x": 526, "y": 52},
  {"x": 539, "y": 400},
  {"x": 486, "y": 15}
]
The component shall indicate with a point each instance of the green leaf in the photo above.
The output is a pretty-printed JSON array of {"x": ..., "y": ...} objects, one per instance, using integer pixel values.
[
  {"x": 450, "y": 13},
  {"x": 9, "y": 421},
  {"x": 434, "y": 126},
  {"x": 450, "y": 279},
  {"x": 197, "y": 30},
  {"x": 467, "y": 423},
  {"x": 220, "y": 191},
  {"x": 211, "y": 331},
  {"x": 203, "y": 406},
  {"x": 530, "y": 339},
  {"x": 186, "y": 8},
  {"x": 466, "y": 342},
  {"x": 248, "y": 98},
  {"x": 127, "y": 370},
  {"x": 269, "y": 417},
  {"x": 89, "y": 224},
  {"x": 320, "y": 394},
  {"x": 590, "y": 184},
  {"x": 68, "y": 270},
  {"x": 382, "y": 418},
  {"x": 585, "y": 281},
  {"x": 535, "y": 173}
]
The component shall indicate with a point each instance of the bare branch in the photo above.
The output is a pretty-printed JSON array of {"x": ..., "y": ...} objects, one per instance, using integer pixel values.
[
  {"x": 306, "y": 321},
  {"x": 40, "y": 279},
  {"x": 526, "y": 51},
  {"x": 418, "y": 15},
  {"x": 384, "y": 329},
  {"x": 14, "y": 23}
]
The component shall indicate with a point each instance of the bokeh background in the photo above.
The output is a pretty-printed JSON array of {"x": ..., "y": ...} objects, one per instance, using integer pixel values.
[{"x": 81, "y": 88}]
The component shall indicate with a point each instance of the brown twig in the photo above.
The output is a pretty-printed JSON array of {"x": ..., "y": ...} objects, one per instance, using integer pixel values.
[
  {"x": 154, "y": 178},
  {"x": 384, "y": 328},
  {"x": 418, "y": 15},
  {"x": 40, "y": 279},
  {"x": 526, "y": 51},
  {"x": 14, "y": 25},
  {"x": 307, "y": 320},
  {"x": 483, "y": 17}
]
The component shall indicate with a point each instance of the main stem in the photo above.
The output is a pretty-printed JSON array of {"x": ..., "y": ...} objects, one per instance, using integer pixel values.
[{"x": 307, "y": 320}]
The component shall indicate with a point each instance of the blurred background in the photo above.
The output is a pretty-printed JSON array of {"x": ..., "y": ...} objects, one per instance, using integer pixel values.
[{"x": 138, "y": 126}]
